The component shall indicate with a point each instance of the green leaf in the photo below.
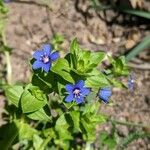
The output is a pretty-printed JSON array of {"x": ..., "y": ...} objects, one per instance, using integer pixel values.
[
  {"x": 39, "y": 115},
  {"x": 91, "y": 108},
  {"x": 117, "y": 83},
  {"x": 139, "y": 13},
  {"x": 56, "y": 41},
  {"x": 91, "y": 97},
  {"x": 133, "y": 136},
  {"x": 3, "y": 8},
  {"x": 58, "y": 38},
  {"x": 8, "y": 134},
  {"x": 90, "y": 118},
  {"x": 44, "y": 82},
  {"x": 62, "y": 68},
  {"x": 75, "y": 53},
  {"x": 32, "y": 99},
  {"x": 108, "y": 140},
  {"x": 25, "y": 130},
  {"x": 75, "y": 116},
  {"x": 89, "y": 60},
  {"x": 83, "y": 61},
  {"x": 49, "y": 132},
  {"x": 120, "y": 67},
  {"x": 96, "y": 80},
  {"x": 145, "y": 43},
  {"x": 13, "y": 94},
  {"x": 88, "y": 130},
  {"x": 62, "y": 144},
  {"x": 62, "y": 128},
  {"x": 37, "y": 141},
  {"x": 4, "y": 48},
  {"x": 97, "y": 57}
]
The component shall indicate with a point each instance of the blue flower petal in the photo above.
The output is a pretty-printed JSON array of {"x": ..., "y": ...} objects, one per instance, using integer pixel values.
[
  {"x": 37, "y": 54},
  {"x": 47, "y": 49},
  {"x": 131, "y": 83},
  {"x": 46, "y": 67},
  {"x": 79, "y": 84},
  {"x": 79, "y": 100},
  {"x": 37, "y": 64},
  {"x": 85, "y": 91},
  {"x": 69, "y": 87},
  {"x": 54, "y": 56},
  {"x": 105, "y": 100},
  {"x": 104, "y": 97},
  {"x": 69, "y": 98},
  {"x": 104, "y": 94},
  {"x": 106, "y": 91}
]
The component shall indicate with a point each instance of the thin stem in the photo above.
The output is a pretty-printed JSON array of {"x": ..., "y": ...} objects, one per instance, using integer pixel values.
[
  {"x": 44, "y": 144},
  {"x": 88, "y": 146},
  {"x": 9, "y": 69},
  {"x": 8, "y": 61},
  {"x": 129, "y": 123}
]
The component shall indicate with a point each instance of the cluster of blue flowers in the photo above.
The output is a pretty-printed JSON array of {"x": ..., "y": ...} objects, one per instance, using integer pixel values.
[{"x": 78, "y": 91}]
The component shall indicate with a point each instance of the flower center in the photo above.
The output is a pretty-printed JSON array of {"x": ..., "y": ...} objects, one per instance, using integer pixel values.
[
  {"x": 45, "y": 59},
  {"x": 76, "y": 93}
]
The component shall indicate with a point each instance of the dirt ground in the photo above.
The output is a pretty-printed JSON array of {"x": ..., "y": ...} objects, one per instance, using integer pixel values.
[{"x": 31, "y": 24}]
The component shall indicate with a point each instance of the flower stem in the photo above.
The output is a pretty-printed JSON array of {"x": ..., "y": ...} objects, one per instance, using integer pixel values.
[
  {"x": 128, "y": 123},
  {"x": 8, "y": 61},
  {"x": 88, "y": 146}
]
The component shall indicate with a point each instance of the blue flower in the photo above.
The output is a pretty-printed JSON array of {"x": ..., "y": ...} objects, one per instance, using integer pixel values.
[
  {"x": 131, "y": 82},
  {"x": 76, "y": 92},
  {"x": 44, "y": 58},
  {"x": 104, "y": 94}
]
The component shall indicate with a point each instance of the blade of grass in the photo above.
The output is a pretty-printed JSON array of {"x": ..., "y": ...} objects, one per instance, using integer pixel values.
[
  {"x": 99, "y": 6},
  {"x": 140, "y": 13},
  {"x": 140, "y": 47},
  {"x": 126, "y": 123}
]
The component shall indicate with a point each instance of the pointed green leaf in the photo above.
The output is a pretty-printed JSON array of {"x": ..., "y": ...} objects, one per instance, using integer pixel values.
[
  {"x": 32, "y": 99},
  {"x": 13, "y": 94},
  {"x": 39, "y": 115},
  {"x": 62, "y": 68}
]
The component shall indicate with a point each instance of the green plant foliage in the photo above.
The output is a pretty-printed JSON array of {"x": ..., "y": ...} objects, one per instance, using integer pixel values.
[
  {"x": 56, "y": 41},
  {"x": 97, "y": 80},
  {"x": 63, "y": 72},
  {"x": 14, "y": 93},
  {"x": 83, "y": 61},
  {"x": 40, "y": 115},
  {"x": 32, "y": 99},
  {"x": 3, "y": 15},
  {"x": 120, "y": 67},
  {"x": 108, "y": 140},
  {"x": 44, "y": 120},
  {"x": 133, "y": 136}
]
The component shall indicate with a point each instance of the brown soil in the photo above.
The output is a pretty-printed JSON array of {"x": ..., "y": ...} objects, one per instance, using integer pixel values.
[{"x": 31, "y": 24}]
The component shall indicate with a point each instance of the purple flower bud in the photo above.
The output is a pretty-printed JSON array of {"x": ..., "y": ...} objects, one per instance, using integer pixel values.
[
  {"x": 131, "y": 82},
  {"x": 104, "y": 94}
]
